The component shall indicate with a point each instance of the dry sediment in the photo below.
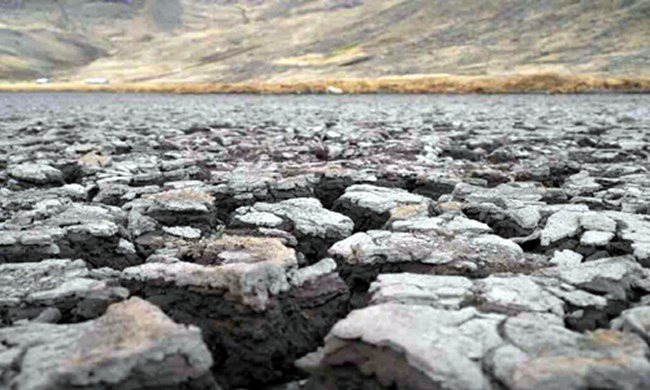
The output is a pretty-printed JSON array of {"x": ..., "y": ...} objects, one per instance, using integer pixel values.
[{"x": 453, "y": 242}]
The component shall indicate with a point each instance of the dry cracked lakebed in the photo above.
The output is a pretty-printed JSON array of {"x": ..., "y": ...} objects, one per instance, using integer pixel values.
[{"x": 303, "y": 242}]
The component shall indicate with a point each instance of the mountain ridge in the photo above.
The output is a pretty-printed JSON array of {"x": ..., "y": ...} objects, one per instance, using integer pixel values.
[{"x": 231, "y": 41}]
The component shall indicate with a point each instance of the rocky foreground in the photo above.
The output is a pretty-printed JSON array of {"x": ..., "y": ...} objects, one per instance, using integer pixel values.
[{"x": 304, "y": 243}]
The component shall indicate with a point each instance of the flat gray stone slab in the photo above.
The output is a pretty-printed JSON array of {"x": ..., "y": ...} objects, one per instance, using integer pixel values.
[
  {"x": 436, "y": 247},
  {"x": 249, "y": 269},
  {"x": 28, "y": 289},
  {"x": 36, "y": 174},
  {"x": 315, "y": 227},
  {"x": 258, "y": 310},
  {"x": 370, "y": 207},
  {"x": 431, "y": 331},
  {"x": 133, "y": 345}
]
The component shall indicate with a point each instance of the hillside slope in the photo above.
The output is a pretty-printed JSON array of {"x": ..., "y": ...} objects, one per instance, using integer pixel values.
[{"x": 297, "y": 40}]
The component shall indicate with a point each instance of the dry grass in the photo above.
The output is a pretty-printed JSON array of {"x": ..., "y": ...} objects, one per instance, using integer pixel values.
[{"x": 528, "y": 83}]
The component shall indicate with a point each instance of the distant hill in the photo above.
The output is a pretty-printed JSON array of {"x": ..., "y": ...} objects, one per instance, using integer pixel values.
[{"x": 297, "y": 40}]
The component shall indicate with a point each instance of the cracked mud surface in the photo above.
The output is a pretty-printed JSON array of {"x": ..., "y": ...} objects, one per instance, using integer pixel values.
[{"x": 287, "y": 242}]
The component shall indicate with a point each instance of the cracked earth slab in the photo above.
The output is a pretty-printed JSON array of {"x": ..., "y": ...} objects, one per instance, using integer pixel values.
[
  {"x": 514, "y": 233},
  {"x": 247, "y": 304},
  {"x": 133, "y": 345},
  {"x": 512, "y": 331},
  {"x": 68, "y": 290}
]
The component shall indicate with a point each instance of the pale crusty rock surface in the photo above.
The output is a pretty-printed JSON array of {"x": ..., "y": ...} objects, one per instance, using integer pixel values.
[
  {"x": 35, "y": 174},
  {"x": 584, "y": 296},
  {"x": 635, "y": 320},
  {"x": 133, "y": 345},
  {"x": 512, "y": 233},
  {"x": 67, "y": 286},
  {"x": 371, "y": 206},
  {"x": 91, "y": 232},
  {"x": 427, "y": 331},
  {"x": 428, "y": 248},
  {"x": 414, "y": 330},
  {"x": 253, "y": 284},
  {"x": 299, "y": 277},
  {"x": 178, "y": 207},
  {"x": 380, "y": 246},
  {"x": 315, "y": 227},
  {"x": 245, "y": 293},
  {"x": 566, "y": 257},
  {"x": 247, "y": 185}
]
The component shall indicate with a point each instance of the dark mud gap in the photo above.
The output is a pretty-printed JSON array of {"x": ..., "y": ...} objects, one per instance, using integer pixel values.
[{"x": 254, "y": 349}]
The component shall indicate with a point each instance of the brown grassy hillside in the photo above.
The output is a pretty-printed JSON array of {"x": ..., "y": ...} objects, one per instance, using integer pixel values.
[
  {"x": 280, "y": 41},
  {"x": 552, "y": 83}
]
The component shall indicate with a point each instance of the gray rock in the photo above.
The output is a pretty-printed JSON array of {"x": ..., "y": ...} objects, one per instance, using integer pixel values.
[
  {"x": 462, "y": 224},
  {"x": 413, "y": 346},
  {"x": 36, "y": 174},
  {"x": 49, "y": 316},
  {"x": 424, "y": 225},
  {"x": 116, "y": 194},
  {"x": 92, "y": 232},
  {"x": 40, "y": 199},
  {"x": 520, "y": 193},
  {"x": 298, "y": 277},
  {"x": 134, "y": 345},
  {"x": 335, "y": 179},
  {"x": 596, "y": 238},
  {"x": 183, "y": 207},
  {"x": 517, "y": 221},
  {"x": 383, "y": 246},
  {"x": 247, "y": 294},
  {"x": 561, "y": 225},
  {"x": 436, "y": 184},
  {"x": 431, "y": 331},
  {"x": 634, "y": 229},
  {"x": 507, "y": 294},
  {"x": 580, "y": 184},
  {"x": 517, "y": 294},
  {"x": 434, "y": 248},
  {"x": 441, "y": 292},
  {"x": 249, "y": 185},
  {"x": 447, "y": 224},
  {"x": 370, "y": 207},
  {"x": 29, "y": 289},
  {"x": 139, "y": 224},
  {"x": 363, "y": 256},
  {"x": 612, "y": 232},
  {"x": 613, "y": 278},
  {"x": 566, "y": 258},
  {"x": 494, "y": 241},
  {"x": 635, "y": 320},
  {"x": 183, "y": 231},
  {"x": 252, "y": 283},
  {"x": 598, "y": 222},
  {"x": 315, "y": 227},
  {"x": 559, "y": 359}
]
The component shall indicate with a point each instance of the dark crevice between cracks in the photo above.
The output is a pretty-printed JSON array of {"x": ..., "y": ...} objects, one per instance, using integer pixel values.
[{"x": 254, "y": 349}]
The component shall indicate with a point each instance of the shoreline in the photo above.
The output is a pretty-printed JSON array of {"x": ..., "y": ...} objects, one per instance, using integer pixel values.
[{"x": 501, "y": 84}]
